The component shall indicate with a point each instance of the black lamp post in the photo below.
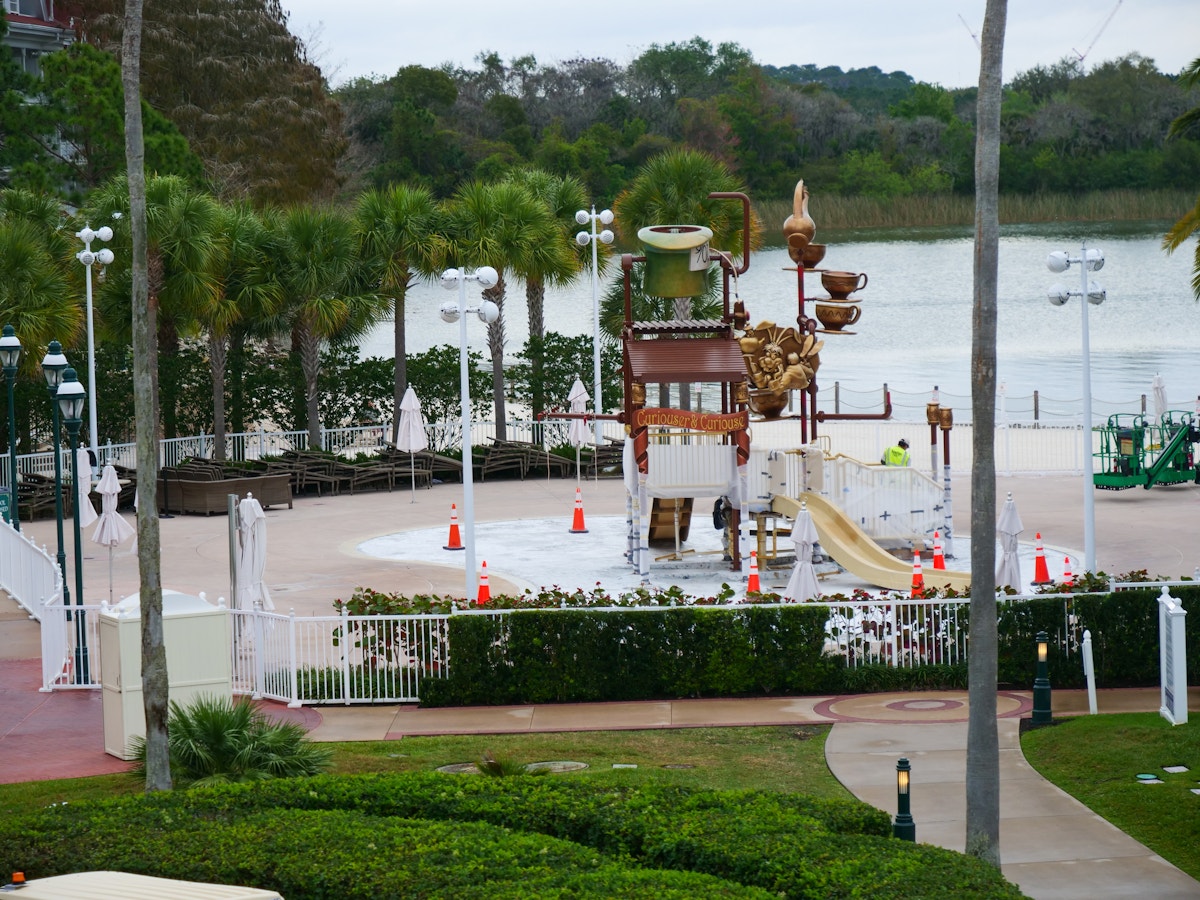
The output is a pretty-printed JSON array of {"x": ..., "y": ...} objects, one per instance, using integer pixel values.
[
  {"x": 53, "y": 365},
  {"x": 10, "y": 356},
  {"x": 71, "y": 399},
  {"x": 904, "y": 827},
  {"x": 1041, "y": 684}
]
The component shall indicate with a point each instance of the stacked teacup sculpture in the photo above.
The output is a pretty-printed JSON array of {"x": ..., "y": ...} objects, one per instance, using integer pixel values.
[{"x": 839, "y": 309}]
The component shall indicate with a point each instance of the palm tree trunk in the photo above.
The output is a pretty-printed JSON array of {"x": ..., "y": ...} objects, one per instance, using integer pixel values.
[
  {"x": 218, "y": 351},
  {"x": 495, "y": 336},
  {"x": 535, "y": 299},
  {"x": 310, "y": 365},
  {"x": 400, "y": 354},
  {"x": 237, "y": 371},
  {"x": 154, "y": 655},
  {"x": 983, "y": 751},
  {"x": 683, "y": 310}
]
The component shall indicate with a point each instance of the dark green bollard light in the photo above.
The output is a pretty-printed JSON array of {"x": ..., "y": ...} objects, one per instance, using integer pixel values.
[
  {"x": 904, "y": 827},
  {"x": 1041, "y": 684}
]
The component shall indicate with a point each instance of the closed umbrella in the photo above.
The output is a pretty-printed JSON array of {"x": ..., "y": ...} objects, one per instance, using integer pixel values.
[
  {"x": 1159, "y": 389},
  {"x": 112, "y": 529},
  {"x": 579, "y": 432},
  {"x": 84, "y": 511},
  {"x": 411, "y": 436},
  {"x": 1008, "y": 571},
  {"x": 802, "y": 585},
  {"x": 252, "y": 556}
]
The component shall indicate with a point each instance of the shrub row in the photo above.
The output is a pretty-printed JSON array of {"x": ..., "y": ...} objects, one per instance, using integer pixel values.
[
  {"x": 359, "y": 836},
  {"x": 580, "y": 655}
]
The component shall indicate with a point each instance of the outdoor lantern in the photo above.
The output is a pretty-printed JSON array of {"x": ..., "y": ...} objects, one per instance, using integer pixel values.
[
  {"x": 71, "y": 398},
  {"x": 904, "y": 827},
  {"x": 1041, "y": 684},
  {"x": 10, "y": 351},
  {"x": 53, "y": 365}
]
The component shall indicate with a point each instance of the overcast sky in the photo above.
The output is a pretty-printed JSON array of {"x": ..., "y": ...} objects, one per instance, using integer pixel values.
[{"x": 925, "y": 38}]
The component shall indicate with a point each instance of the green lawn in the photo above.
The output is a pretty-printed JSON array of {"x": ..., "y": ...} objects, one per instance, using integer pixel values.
[
  {"x": 1097, "y": 759},
  {"x": 787, "y": 759}
]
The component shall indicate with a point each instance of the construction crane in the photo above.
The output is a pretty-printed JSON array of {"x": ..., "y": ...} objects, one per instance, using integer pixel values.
[
  {"x": 1082, "y": 56},
  {"x": 970, "y": 32}
]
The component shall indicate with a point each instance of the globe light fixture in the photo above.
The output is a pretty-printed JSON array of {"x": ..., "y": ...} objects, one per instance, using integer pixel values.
[
  {"x": 88, "y": 258},
  {"x": 584, "y": 238},
  {"x": 1088, "y": 260},
  {"x": 455, "y": 311}
]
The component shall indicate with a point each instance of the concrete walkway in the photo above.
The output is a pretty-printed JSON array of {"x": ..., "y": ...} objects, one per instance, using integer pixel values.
[{"x": 1052, "y": 846}]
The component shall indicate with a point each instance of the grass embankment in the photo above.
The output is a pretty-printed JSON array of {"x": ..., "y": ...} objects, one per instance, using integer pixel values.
[
  {"x": 1096, "y": 759},
  {"x": 785, "y": 759},
  {"x": 834, "y": 212}
]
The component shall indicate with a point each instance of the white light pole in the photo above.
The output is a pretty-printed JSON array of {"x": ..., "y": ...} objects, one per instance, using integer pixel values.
[
  {"x": 88, "y": 258},
  {"x": 584, "y": 238},
  {"x": 452, "y": 311},
  {"x": 1088, "y": 261}
]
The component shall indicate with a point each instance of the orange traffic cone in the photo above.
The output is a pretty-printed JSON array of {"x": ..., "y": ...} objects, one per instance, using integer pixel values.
[
  {"x": 1041, "y": 574},
  {"x": 939, "y": 556},
  {"x": 1068, "y": 578},
  {"x": 577, "y": 526},
  {"x": 455, "y": 538},
  {"x": 752, "y": 585},
  {"x": 918, "y": 582},
  {"x": 485, "y": 592}
]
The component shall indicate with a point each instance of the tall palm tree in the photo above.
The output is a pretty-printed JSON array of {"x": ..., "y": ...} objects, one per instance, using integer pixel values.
[
  {"x": 983, "y": 751},
  {"x": 35, "y": 290},
  {"x": 1189, "y": 224},
  {"x": 400, "y": 238},
  {"x": 248, "y": 292},
  {"x": 183, "y": 229},
  {"x": 564, "y": 195},
  {"x": 323, "y": 287},
  {"x": 504, "y": 226},
  {"x": 672, "y": 189}
]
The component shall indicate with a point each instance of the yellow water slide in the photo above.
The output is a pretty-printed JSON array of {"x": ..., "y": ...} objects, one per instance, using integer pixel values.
[{"x": 855, "y": 551}]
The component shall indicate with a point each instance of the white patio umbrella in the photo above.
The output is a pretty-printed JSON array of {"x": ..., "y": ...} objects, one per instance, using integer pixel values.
[
  {"x": 1008, "y": 570},
  {"x": 579, "y": 432},
  {"x": 83, "y": 487},
  {"x": 252, "y": 556},
  {"x": 1159, "y": 389},
  {"x": 802, "y": 585},
  {"x": 411, "y": 436},
  {"x": 112, "y": 530}
]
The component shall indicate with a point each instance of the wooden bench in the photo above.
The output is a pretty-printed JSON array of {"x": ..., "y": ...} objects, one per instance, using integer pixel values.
[{"x": 205, "y": 496}]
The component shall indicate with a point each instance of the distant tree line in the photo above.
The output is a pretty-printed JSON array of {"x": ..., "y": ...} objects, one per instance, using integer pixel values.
[{"x": 863, "y": 132}]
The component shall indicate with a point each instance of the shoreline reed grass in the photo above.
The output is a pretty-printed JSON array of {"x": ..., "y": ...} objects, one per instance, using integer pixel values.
[{"x": 931, "y": 210}]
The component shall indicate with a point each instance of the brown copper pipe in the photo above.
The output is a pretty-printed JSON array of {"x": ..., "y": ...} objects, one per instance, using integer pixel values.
[
  {"x": 738, "y": 195},
  {"x": 886, "y": 414}
]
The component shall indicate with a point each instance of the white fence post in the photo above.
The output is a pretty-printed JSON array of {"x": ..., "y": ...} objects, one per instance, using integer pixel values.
[
  {"x": 1089, "y": 671},
  {"x": 1172, "y": 659}
]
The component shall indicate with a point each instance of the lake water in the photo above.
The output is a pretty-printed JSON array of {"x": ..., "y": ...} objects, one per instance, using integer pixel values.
[{"x": 915, "y": 328}]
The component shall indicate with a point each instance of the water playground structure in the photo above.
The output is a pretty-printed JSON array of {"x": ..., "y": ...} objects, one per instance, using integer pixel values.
[{"x": 761, "y": 451}]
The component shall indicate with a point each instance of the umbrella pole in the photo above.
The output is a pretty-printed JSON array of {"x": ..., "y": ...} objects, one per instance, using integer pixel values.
[
  {"x": 412, "y": 473},
  {"x": 110, "y": 577},
  {"x": 576, "y": 465}
]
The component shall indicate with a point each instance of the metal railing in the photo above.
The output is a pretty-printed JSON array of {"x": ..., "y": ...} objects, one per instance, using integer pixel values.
[
  {"x": 385, "y": 659},
  {"x": 27, "y": 572}
]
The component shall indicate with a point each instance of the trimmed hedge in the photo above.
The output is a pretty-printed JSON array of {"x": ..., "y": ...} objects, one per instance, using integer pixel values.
[
  {"x": 486, "y": 837},
  {"x": 581, "y": 655}
]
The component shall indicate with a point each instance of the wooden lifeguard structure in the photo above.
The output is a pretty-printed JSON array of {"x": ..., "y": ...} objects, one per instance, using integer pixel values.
[{"x": 681, "y": 453}]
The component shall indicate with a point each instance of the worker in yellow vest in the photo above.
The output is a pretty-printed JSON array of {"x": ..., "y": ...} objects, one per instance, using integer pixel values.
[{"x": 897, "y": 455}]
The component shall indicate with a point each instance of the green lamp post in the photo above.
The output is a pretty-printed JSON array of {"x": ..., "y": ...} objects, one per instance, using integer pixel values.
[
  {"x": 1041, "y": 684},
  {"x": 10, "y": 356},
  {"x": 904, "y": 827},
  {"x": 71, "y": 400},
  {"x": 54, "y": 363}
]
